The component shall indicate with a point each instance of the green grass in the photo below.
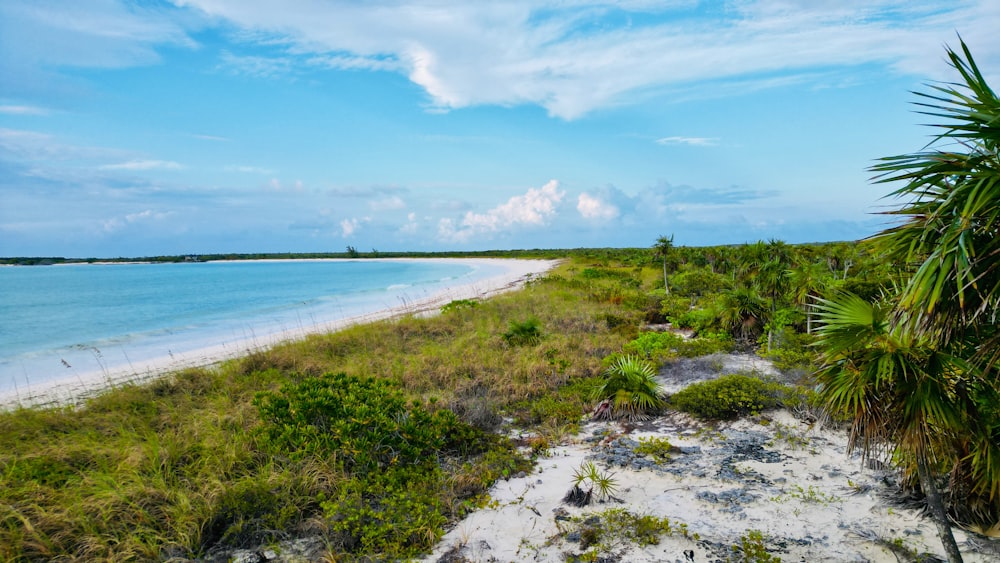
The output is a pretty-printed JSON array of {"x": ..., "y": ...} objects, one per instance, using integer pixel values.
[{"x": 182, "y": 465}]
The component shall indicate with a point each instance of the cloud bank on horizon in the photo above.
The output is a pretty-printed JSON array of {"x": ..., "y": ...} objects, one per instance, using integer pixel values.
[{"x": 141, "y": 128}]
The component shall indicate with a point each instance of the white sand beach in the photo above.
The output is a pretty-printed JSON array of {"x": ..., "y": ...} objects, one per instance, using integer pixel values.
[
  {"x": 790, "y": 479},
  {"x": 78, "y": 386}
]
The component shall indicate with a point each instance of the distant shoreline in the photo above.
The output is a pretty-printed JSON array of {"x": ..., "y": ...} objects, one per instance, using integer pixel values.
[{"x": 79, "y": 387}]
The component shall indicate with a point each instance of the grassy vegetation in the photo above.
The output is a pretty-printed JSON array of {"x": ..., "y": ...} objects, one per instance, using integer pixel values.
[
  {"x": 298, "y": 439},
  {"x": 208, "y": 458}
]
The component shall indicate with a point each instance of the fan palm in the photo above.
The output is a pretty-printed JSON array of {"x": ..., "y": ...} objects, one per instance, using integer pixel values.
[
  {"x": 743, "y": 312},
  {"x": 921, "y": 376},
  {"x": 902, "y": 395},
  {"x": 629, "y": 389},
  {"x": 951, "y": 218}
]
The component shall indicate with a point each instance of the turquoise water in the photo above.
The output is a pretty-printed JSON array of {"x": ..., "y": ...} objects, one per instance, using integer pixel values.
[{"x": 58, "y": 322}]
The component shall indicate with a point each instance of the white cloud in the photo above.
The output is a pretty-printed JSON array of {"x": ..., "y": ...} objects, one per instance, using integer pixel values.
[
  {"x": 533, "y": 208},
  {"x": 387, "y": 204},
  {"x": 210, "y": 138},
  {"x": 347, "y": 227},
  {"x": 23, "y": 110},
  {"x": 101, "y": 34},
  {"x": 35, "y": 146},
  {"x": 575, "y": 57},
  {"x": 591, "y": 207},
  {"x": 144, "y": 165},
  {"x": 251, "y": 170},
  {"x": 118, "y": 223},
  {"x": 276, "y": 185},
  {"x": 693, "y": 141}
]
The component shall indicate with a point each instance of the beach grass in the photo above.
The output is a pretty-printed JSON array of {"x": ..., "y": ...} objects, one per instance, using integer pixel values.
[{"x": 179, "y": 466}]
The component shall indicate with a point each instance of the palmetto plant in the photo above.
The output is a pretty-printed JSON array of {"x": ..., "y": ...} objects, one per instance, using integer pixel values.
[
  {"x": 906, "y": 398},
  {"x": 918, "y": 375},
  {"x": 629, "y": 389},
  {"x": 743, "y": 312},
  {"x": 951, "y": 213}
]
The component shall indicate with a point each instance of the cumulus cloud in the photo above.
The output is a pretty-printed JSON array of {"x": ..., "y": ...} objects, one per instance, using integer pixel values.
[
  {"x": 534, "y": 208},
  {"x": 144, "y": 165},
  {"x": 592, "y": 207},
  {"x": 347, "y": 227},
  {"x": 350, "y": 226}
]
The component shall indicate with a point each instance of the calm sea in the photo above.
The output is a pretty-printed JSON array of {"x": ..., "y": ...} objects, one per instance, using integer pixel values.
[{"x": 57, "y": 322}]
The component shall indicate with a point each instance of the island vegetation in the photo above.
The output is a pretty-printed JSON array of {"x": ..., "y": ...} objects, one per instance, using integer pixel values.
[{"x": 374, "y": 438}]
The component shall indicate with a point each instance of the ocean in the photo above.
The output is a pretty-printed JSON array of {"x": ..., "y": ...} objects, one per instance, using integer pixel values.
[{"x": 70, "y": 321}]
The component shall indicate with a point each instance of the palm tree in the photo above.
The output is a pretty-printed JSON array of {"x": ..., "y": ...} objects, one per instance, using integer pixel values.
[
  {"x": 951, "y": 233},
  {"x": 807, "y": 280},
  {"x": 743, "y": 312},
  {"x": 901, "y": 393},
  {"x": 909, "y": 373},
  {"x": 663, "y": 247}
]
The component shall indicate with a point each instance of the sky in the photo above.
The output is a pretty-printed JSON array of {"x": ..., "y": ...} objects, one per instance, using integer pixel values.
[{"x": 211, "y": 126}]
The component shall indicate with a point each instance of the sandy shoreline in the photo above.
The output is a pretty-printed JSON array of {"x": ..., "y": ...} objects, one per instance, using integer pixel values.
[{"x": 81, "y": 385}]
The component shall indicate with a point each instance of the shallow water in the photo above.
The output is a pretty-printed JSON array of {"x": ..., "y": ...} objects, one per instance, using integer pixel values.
[{"x": 58, "y": 322}]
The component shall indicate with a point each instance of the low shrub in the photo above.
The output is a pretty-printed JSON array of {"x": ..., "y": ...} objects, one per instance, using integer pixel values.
[
  {"x": 729, "y": 396},
  {"x": 364, "y": 422},
  {"x": 661, "y": 346},
  {"x": 706, "y": 344},
  {"x": 654, "y": 345},
  {"x": 386, "y": 514}
]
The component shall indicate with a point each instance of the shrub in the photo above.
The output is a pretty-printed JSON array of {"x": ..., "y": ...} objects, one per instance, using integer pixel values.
[
  {"x": 657, "y": 448},
  {"x": 652, "y": 345},
  {"x": 629, "y": 389},
  {"x": 386, "y": 514},
  {"x": 708, "y": 343},
  {"x": 364, "y": 422},
  {"x": 665, "y": 345},
  {"x": 729, "y": 396},
  {"x": 524, "y": 333}
]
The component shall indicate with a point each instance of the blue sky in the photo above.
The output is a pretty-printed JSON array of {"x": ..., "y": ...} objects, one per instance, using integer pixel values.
[{"x": 200, "y": 126}]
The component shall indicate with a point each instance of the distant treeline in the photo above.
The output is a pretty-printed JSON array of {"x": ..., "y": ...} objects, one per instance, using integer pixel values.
[{"x": 629, "y": 255}]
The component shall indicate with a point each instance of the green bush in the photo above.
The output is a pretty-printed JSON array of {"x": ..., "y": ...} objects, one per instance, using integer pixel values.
[
  {"x": 363, "y": 422},
  {"x": 653, "y": 345},
  {"x": 729, "y": 396},
  {"x": 698, "y": 281},
  {"x": 709, "y": 343},
  {"x": 665, "y": 345},
  {"x": 389, "y": 514},
  {"x": 792, "y": 350}
]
